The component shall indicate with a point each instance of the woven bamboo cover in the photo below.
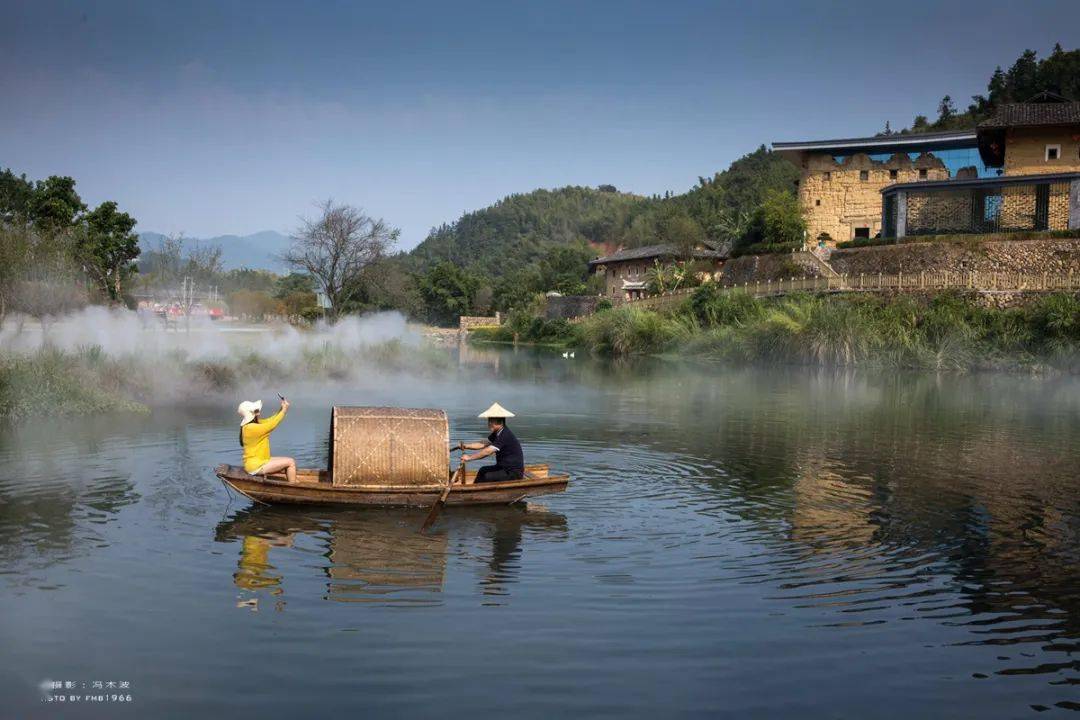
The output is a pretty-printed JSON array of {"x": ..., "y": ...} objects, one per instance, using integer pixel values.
[{"x": 389, "y": 446}]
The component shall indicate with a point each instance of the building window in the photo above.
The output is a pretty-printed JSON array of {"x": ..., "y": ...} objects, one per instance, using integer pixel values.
[
  {"x": 864, "y": 175},
  {"x": 892, "y": 174},
  {"x": 828, "y": 175},
  {"x": 922, "y": 174},
  {"x": 817, "y": 202},
  {"x": 862, "y": 232},
  {"x": 1053, "y": 152}
]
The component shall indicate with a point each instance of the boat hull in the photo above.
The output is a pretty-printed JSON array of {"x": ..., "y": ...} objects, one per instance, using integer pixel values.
[{"x": 313, "y": 487}]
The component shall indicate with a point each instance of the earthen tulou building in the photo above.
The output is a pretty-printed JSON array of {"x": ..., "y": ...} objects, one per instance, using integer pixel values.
[{"x": 1017, "y": 171}]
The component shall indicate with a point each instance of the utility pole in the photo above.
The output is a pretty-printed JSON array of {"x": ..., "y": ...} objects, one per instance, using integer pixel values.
[{"x": 187, "y": 299}]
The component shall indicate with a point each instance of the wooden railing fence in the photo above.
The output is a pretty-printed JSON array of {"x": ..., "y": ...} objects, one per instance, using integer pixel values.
[{"x": 985, "y": 281}]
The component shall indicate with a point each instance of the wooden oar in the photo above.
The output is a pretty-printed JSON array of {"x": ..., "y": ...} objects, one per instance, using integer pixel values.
[{"x": 433, "y": 514}]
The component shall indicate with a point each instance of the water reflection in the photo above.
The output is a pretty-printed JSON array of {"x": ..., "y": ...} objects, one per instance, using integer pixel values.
[
  {"x": 742, "y": 541},
  {"x": 377, "y": 555}
]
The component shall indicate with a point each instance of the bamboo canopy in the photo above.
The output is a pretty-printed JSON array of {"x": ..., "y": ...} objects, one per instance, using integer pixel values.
[{"x": 389, "y": 446}]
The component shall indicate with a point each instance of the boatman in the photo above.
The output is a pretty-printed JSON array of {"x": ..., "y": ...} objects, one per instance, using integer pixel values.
[
  {"x": 509, "y": 459},
  {"x": 255, "y": 439}
]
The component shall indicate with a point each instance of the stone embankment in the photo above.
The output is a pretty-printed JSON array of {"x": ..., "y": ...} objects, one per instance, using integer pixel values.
[
  {"x": 775, "y": 267},
  {"x": 962, "y": 256}
]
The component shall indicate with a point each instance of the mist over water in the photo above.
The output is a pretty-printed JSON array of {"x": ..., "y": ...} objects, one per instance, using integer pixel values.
[
  {"x": 737, "y": 542},
  {"x": 119, "y": 332}
]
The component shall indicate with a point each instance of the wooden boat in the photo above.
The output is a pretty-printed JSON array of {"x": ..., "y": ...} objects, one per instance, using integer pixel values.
[
  {"x": 314, "y": 486},
  {"x": 388, "y": 456}
]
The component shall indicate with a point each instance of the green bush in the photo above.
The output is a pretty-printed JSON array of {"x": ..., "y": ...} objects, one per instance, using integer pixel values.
[
  {"x": 1055, "y": 319},
  {"x": 962, "y": 238},
  {"x": 865, "y": 242},
  {"x": 528, "y": 328},
  {"x": 765, "y": 248}
]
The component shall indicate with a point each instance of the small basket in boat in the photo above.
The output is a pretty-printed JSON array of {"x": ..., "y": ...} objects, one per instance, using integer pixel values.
[{"x": 389, "y": 446}]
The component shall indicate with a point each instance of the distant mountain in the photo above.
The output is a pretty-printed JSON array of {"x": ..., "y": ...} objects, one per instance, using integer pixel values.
[{"x": 258, "y": 251}]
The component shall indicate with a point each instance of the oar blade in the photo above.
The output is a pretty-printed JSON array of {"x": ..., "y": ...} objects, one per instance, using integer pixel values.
[{"x": 433, "y": 514}]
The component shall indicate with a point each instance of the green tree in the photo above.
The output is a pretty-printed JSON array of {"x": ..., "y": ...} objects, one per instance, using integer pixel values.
[
  {"x": 16, "y": 194},
  {"x": 779, "y": 219},
  {"x": 682, "y": 232},
  {"x": 107, "y": 247},
  {"x": 294, "y": 283},
  {"x": 563, "y": 269},
  {"x": 448, "y": 291},
  {"x": 946, "y": 110},
  {"x": 55, "y": 204}
]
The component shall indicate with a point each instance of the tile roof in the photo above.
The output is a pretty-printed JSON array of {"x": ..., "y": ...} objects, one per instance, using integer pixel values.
[
  {"x": 1034, "y": 114},
  {"x": 658, "y": 251},
  {"x": 896, "y": 140}
]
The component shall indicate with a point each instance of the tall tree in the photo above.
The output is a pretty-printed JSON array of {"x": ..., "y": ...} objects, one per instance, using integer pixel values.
[
  {"x": 337, "y": 247},
  {"x": 107, "y": 247},
  {"x": 448, "y": 292},
  {"x": 55, "y": 204},
  {"x": 16, "y": 192}
]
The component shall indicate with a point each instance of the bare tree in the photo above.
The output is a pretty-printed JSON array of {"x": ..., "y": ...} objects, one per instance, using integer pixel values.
[{"x": 337, "y": 247}]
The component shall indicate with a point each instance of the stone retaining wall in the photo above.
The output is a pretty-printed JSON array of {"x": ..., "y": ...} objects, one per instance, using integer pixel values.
[
  {"x": 1025, "y": 256},
  {"x": 564, "y": 307},
  {"x": 467, "y": 322},
  {"x": 759, "y": 268}
]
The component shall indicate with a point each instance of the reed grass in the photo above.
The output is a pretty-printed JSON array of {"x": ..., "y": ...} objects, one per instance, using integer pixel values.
[{"x": 946, "y": 332}]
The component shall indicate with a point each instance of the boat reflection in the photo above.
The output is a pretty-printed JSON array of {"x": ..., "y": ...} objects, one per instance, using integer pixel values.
[{"x": 377, "y": 555}]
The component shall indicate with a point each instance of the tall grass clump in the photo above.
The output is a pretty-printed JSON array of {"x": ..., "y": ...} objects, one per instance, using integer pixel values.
[
  {"x": 949, "y": 331},
  {"x": 52, "y": 382},
  {"x": 712, "y": 306},
  {"x": 628, "y": 330}
]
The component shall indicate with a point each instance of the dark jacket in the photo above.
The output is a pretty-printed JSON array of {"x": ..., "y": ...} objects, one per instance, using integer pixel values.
[{"x": 509, "y": 455}]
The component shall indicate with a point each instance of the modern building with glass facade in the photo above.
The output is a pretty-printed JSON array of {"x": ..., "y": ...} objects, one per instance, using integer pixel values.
[{"x": 1014, "y": 172}]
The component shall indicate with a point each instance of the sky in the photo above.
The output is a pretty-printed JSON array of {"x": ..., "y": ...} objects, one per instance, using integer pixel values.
[{"x": 213, "y": 118}]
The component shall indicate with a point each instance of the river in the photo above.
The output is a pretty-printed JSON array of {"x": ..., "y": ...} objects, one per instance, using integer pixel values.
[{"x": 744, "y": 542}]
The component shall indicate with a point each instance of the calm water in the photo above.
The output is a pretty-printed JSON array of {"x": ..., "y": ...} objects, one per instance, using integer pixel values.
[{"x": 746, "y": 542}]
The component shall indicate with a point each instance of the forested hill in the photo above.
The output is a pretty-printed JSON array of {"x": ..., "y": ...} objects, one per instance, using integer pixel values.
[{"x": 520, "y": 229}]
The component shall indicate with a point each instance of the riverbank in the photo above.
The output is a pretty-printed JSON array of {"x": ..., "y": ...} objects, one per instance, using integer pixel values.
[
  {"x": 56, "y": 382},
  {"x": 947, "y": 331},
  {"x": 102, "y": 360}
]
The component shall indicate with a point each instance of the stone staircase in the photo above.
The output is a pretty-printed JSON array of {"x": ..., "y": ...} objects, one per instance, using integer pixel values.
[{"x": 813, "y": 261}]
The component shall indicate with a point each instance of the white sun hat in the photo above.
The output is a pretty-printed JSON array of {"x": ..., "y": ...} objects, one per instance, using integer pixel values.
[
  {"x": 247, "y": 410},
  {"x": 496, "y": 411}
]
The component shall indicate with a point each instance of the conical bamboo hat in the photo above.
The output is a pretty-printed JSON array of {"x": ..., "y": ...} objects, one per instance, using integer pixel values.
[{"x": 496, "y": 411}]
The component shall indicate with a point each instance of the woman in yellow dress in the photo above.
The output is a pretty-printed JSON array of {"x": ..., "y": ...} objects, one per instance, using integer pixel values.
[{"x": 255, "y": 439}]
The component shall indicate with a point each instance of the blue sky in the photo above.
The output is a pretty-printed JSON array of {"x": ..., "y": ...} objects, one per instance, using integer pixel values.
[{"x": 212, "y": 118}]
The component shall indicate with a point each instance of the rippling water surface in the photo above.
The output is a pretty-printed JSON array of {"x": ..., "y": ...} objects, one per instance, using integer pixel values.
[{"x": 746, "y": 542}]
